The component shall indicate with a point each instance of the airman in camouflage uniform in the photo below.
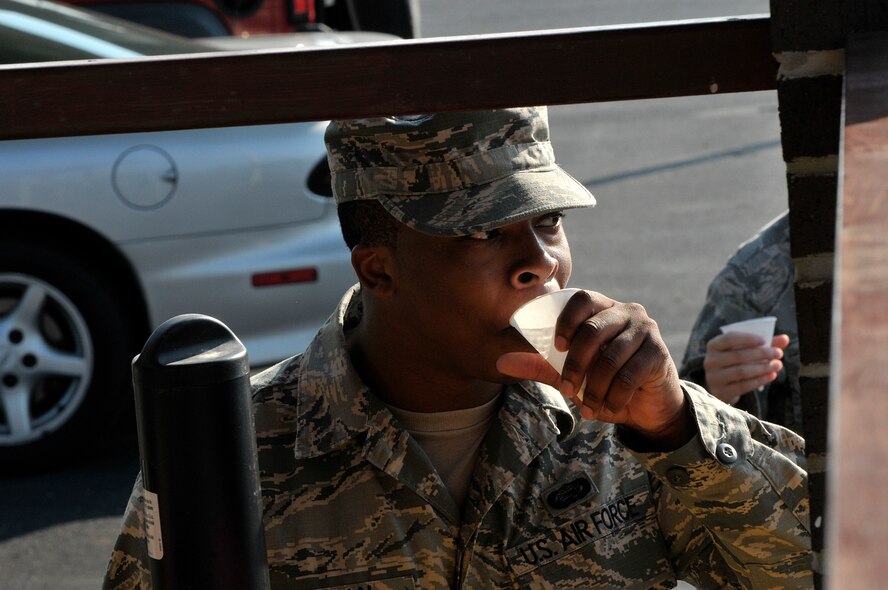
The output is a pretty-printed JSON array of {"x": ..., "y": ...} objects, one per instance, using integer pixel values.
[
  {"x": 757, "y": 281},
  {"x": 556, "y": 500}
]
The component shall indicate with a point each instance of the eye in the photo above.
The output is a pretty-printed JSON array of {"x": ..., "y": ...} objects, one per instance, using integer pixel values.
[
  {"x": 551, "y": 220},
  {"x": 485, "y": 235}
]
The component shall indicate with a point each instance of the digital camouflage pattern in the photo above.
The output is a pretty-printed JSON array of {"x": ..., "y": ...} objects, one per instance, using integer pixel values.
[
  {"x": 351, "y": 501},
  {"x": 473, "y": 171},
  {"x": 757, "y": 281}
]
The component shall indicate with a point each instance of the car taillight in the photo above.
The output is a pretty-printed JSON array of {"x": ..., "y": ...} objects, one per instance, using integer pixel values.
[{"x": 285, "y": 277}]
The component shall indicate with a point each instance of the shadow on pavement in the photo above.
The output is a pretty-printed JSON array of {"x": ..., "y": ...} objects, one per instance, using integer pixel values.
[{"x": 86, "y": 489}]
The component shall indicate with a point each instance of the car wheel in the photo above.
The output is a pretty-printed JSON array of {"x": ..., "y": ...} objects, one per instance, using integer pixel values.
[
  {"x": 66, "y": 342},
  {"x": 396, "y": 17}
]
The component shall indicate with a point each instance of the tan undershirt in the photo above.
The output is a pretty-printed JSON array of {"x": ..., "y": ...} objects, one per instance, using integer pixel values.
[{"x": 452, "y": 441}]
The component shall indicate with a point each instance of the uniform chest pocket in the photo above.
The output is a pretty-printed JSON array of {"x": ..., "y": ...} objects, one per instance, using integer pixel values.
[{"x": 612, "y": 545}]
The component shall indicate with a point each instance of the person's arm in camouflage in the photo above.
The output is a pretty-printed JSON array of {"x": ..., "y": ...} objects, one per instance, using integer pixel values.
[
  {"x": 732, "y": 502},
  {"x": 733, "y": 493},
  {"x": 128, "y": 568},
  {"x": 728, "y": 300},
  {"x": 731, "y": 298},
  {"x": 757, "y": 281}
]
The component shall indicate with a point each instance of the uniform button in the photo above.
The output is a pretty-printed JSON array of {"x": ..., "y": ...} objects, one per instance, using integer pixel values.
[
  {"x": 726, "y": 453},
  {"x": 678, "y": 476}
]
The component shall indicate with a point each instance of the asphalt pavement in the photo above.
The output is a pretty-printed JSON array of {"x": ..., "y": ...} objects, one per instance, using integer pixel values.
[{"x": 680, "y": 183}]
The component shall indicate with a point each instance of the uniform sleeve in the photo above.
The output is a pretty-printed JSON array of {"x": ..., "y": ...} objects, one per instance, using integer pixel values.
[
  {"x": 732, "y": 503},
  {"x": 128, "y": 568}
]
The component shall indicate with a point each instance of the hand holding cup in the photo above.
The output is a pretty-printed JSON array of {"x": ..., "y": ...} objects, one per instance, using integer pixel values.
[
  {"x": 615, "y": 366},
  {"x": 745, "y": 357}
]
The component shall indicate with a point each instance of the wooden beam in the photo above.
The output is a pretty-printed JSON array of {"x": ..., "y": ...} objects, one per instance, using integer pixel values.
[
  {"x": 858, "y": 527},
  {"x": 274, "y": 86}
]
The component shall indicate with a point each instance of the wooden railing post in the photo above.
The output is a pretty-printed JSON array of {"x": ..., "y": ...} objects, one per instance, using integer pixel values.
[{"x": 858, "y": 521}]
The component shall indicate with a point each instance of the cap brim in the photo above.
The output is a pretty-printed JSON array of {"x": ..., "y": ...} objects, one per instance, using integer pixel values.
[{"x": 508, "y": 200}]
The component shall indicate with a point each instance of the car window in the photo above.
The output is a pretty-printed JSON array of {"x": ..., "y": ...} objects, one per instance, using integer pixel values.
[
  {"x": 46, "y": 34},
  {"x": 40, "y": 31},
  {"x": 187, "y": 20}
]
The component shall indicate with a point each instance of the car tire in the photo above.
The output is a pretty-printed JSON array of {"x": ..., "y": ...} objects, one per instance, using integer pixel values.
[
  {"x": 66, "y": 343},
  {"x": 396, "y": 17}
]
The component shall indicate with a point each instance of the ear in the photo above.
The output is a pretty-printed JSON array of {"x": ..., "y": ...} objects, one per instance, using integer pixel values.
[{"x": 374, "y": 266}]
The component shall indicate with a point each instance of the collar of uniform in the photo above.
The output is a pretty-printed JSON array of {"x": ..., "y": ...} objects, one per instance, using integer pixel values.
[
  {"x": 334, "y": 405},
  {"x": 556, "y": 409},
  {"x": 332, "y": 402}
]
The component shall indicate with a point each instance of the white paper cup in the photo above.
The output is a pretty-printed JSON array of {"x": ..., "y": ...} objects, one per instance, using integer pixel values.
[
  {"x": 762, "y": 327},
  {"x": 536, "y": 322}
]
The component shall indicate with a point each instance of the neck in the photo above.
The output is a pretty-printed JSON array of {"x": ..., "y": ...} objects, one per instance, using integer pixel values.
[{"x": 389, "y": 364}]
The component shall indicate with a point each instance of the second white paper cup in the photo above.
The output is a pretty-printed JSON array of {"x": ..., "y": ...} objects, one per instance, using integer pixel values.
[
  {"x": 762, "y": 327},
  {"x": 536, "y": 322}
]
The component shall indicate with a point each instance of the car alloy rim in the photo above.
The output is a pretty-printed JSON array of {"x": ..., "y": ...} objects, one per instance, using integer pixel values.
[{"x": 46, "y": 358}]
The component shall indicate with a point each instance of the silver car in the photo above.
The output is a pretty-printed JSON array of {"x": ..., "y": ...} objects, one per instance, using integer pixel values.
[{"x": 102, "y": 238}]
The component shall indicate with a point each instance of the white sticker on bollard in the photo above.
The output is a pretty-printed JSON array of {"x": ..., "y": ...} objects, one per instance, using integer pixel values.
[{"x": 152, "y": 525}]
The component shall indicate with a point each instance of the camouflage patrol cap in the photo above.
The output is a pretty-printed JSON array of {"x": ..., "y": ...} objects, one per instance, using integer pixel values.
[{"x": 453, "y": 174}]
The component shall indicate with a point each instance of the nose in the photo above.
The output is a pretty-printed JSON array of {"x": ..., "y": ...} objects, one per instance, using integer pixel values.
[{"x": 536, "y": 264}]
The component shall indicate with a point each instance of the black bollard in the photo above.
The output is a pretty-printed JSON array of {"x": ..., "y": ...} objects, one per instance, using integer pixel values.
[{"x": 198, "y": 458}]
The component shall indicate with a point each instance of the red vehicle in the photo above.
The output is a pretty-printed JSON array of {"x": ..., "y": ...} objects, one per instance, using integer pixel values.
[{"x": 214, "y": 18}]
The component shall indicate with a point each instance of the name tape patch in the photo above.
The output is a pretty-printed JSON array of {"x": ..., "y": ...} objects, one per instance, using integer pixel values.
[{"x": 598, "y": 522}]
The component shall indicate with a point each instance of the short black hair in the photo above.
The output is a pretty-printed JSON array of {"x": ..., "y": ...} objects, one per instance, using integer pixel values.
[{"x": 367, "y": 223}]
